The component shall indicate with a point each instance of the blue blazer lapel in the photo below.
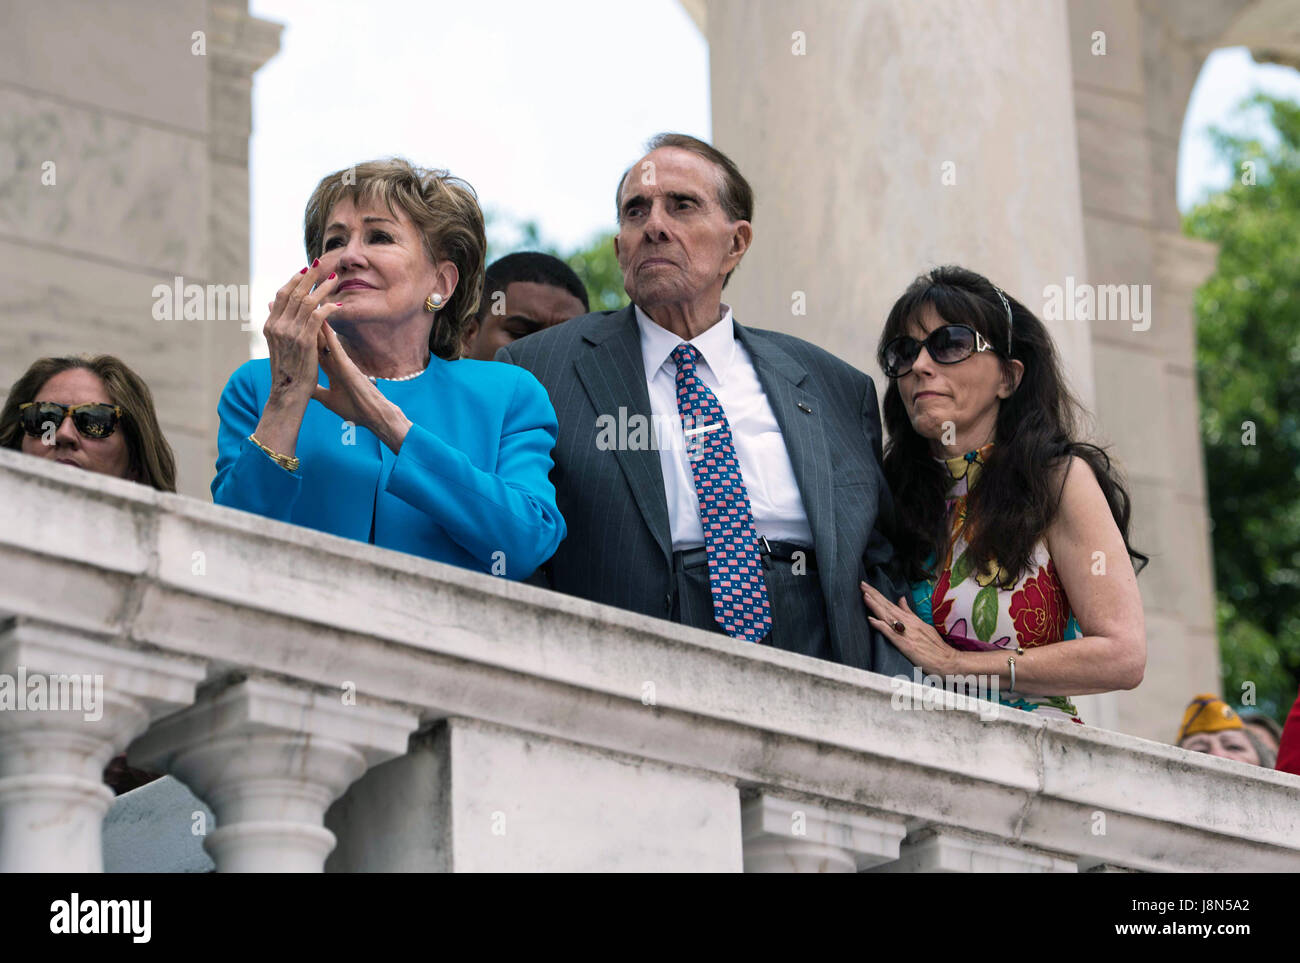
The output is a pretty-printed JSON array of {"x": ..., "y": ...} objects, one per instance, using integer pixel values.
[
  {"x": 613, "y": 374},
  {"x": 800, "y": 414}
]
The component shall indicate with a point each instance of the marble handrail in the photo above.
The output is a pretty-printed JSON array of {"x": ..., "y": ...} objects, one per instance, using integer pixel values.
[{"x": 338, "y": 705}]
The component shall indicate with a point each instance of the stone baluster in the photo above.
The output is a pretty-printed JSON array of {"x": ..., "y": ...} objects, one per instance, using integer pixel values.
[
  {"x": 70, "y": 701},
  {"x": 941, "y": 849},
  {"x": 269, "y": 759},
  {"x": 783, "y": 835}
]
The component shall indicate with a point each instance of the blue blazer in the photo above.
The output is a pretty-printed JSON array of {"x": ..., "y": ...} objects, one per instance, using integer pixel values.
[{"x": 470, "y": 485}]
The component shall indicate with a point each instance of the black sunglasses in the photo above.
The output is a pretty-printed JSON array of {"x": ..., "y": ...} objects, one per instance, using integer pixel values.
[
  {"x": 948, "y": 344},
  {"x": 92, "y": 420}
]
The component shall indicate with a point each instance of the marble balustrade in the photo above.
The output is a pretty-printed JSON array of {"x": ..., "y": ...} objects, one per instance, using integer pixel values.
[{"x": 334, "y": 706}]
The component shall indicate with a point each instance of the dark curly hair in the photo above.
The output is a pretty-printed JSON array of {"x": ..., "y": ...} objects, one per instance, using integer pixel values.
[{"x": 1018, "y": 495}]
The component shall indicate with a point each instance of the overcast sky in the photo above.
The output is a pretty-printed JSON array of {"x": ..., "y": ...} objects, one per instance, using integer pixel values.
[
  {"x": 537, "y": 104},
  {"x": 1228, "y": 77},
  {"x": 534, "y": 103}
]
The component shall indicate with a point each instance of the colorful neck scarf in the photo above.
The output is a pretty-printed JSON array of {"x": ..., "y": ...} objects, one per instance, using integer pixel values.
[
  {"x": 964, "y": 470},
  {"x": 968, "y": 466}
]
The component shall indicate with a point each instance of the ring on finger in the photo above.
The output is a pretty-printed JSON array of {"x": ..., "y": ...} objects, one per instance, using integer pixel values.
[{"x": 897, "y": 626}]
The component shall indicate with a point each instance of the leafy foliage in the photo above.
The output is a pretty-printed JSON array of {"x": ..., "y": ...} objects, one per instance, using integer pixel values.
[
  {"x": 1248, "y": 362},
  {"x": 598, "y": 267}
]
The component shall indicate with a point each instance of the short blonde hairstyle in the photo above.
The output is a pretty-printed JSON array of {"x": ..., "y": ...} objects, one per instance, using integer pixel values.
[{"x": 444, "y": 209}]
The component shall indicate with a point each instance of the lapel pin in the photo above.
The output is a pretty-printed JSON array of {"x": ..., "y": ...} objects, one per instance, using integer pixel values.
[{"x": 802, "y": 407}]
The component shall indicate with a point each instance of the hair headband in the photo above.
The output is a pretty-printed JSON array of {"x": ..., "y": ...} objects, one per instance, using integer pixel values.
[{"x": 1006, "y": 304}]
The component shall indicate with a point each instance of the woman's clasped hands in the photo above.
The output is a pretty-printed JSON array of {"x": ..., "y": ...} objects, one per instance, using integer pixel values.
[{"x": 300, "y": 339}]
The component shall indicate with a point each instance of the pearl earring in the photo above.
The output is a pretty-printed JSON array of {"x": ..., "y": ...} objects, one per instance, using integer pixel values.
[{"x": 433, "y": 302}]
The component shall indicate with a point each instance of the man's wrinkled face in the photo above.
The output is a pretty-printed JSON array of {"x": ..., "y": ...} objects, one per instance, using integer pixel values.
[{"x": 675, "y": 242}]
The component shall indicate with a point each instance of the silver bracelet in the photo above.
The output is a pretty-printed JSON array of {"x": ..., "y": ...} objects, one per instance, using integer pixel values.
[{"x": 1011, "y": 661}]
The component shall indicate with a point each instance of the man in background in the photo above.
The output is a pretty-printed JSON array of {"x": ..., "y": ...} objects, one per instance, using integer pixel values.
[{"x": 522, "y": 293}]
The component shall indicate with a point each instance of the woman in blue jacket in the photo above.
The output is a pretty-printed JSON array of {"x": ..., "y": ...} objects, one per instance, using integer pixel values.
[{"x": 361, "y": 422}]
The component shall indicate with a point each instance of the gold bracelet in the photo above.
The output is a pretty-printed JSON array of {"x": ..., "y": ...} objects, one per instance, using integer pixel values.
[{"x": 287, "y": 462}]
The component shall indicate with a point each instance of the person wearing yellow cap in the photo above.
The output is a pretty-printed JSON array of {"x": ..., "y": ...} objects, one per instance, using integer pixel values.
[{"x": 1211, "y": 726}]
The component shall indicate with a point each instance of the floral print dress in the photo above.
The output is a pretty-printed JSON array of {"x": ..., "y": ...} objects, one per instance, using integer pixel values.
[{"x": 973, "y": 614}]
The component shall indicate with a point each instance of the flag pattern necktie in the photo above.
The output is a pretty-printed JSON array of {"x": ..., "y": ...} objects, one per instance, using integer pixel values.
[{"x": 739, "y": 590}]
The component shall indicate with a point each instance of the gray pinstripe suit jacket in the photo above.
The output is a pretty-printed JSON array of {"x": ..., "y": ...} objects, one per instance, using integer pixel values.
[{"x": 619, "y": 549}]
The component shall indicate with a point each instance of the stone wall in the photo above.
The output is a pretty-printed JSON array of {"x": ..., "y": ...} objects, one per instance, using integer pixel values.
[
  {"x": 885, "y": 137},
  {"x": 1129, "y": 104},
  {"x": 148, "y": 142}
]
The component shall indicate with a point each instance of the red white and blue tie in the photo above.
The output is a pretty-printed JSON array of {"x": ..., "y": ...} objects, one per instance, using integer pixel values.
[{"x": 740, "y": 602}]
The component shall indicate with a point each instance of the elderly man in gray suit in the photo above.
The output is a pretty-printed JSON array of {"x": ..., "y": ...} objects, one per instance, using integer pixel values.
[{"x": 713, "y": 474}]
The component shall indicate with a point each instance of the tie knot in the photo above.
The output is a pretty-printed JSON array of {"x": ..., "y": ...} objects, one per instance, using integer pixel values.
[{"x": 684, "y": 355}]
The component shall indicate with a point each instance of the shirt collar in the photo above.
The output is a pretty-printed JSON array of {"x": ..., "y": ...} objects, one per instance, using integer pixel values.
[{"x": 717, "y": 345}]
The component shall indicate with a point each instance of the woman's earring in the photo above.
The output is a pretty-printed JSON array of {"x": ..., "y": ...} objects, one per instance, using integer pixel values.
[{"x": 433, "y": 302}]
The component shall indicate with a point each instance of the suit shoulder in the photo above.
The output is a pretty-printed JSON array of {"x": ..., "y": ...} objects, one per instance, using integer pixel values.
[{"x": 558, "y": 337}]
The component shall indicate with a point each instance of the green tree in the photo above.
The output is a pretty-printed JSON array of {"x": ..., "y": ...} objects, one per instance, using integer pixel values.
[
  {"x": 1248, "y": 362},
  {"x": 597, "y": 265},
  {"x": 594, "y": 262}
]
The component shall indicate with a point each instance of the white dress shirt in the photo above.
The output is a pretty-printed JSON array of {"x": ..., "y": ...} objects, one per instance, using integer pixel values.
[{"x": 726, "y": 367}]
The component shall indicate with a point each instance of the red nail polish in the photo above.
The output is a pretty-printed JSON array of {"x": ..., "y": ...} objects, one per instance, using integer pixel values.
[
  {"x": 332, "y": 276},
  {"x": 315, "y": 262},
  {"x": 303, "y": 271},
  {"x": 338, "y": 304}
]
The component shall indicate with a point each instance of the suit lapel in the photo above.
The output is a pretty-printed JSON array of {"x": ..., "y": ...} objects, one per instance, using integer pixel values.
[
  {"x": 613, "y": 374},
  {"x": 801, "y": 417}
]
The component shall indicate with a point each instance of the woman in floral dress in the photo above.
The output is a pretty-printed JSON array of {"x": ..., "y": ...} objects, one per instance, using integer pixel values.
[{"x": 1013, "y": 534}]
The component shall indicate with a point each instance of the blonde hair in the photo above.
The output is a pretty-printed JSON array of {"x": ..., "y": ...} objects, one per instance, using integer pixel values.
[
  {"x": 151, "y": 459},
  {"x": 444, "y": 209}
]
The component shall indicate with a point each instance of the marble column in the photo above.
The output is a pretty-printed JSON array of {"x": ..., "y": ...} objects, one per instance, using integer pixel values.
[{"x": 885, "y": 137}]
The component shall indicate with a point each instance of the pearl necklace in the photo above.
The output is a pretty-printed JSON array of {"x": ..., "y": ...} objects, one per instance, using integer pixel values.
[{"x": 410, "y": 377}]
